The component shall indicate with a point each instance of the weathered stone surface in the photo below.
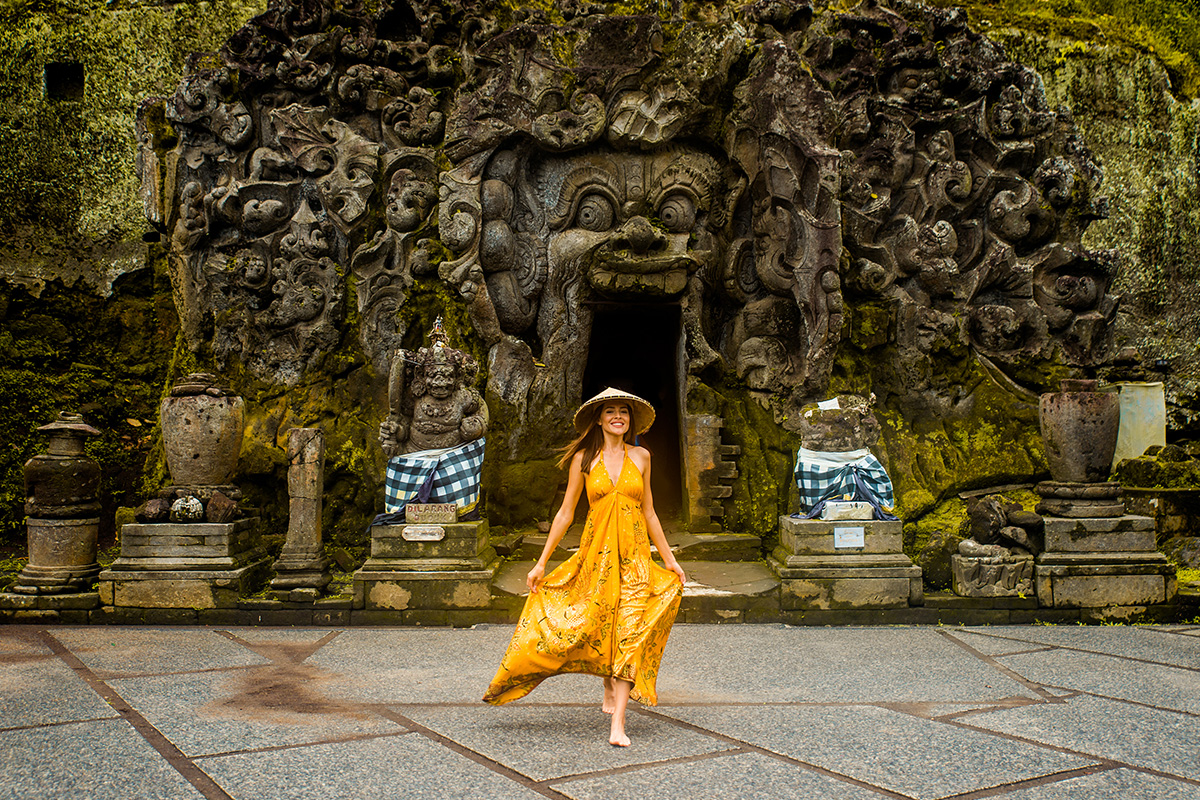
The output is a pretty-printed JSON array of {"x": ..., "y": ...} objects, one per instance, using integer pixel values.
[
  {"x": 1089, "y": 580},
  {"x": 1000, "y": 576},
  {"x": 816, "y": 537},
  {"x": 1115, "y": 534},
  {"x": 302, "y": 562}
]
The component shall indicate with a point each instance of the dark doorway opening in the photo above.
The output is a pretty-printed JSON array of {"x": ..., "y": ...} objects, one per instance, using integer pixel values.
[{"x": 635, "y": 347}]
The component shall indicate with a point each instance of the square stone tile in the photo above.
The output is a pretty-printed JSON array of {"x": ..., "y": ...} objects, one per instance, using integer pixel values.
[
  {"x": 220, "y": 712},
  {"x": 110, "y": 650},
  {"x": 915, "y": 757},
  {"x": 1145, "y": 737},
  {"x": 102, "y": 760},
  {"x": 36, "y": 688},
  {"x": 555, "y": 741},
  {"x": 1151, "y": 684},
  {"x": 407, "y": 767},
  {"x": 1125, "y": 784},
  {"x": 415, "y": 665},
  {"x": 739, "y": 776},
  {"x": 1131, "y": 641},
  {"x": 775, "y": 663}
]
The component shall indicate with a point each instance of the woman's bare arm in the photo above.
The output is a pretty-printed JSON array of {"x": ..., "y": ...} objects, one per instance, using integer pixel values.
[{"x": 562, "y": 521}]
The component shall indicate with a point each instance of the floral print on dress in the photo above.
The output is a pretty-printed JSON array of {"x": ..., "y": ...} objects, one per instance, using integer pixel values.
[{"x": 607, "y": 610}]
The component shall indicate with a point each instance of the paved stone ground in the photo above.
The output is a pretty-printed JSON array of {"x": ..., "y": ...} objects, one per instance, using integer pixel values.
[{"x": 746, "y": 711}]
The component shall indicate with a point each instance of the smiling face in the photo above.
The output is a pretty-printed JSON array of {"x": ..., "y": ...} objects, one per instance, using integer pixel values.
[{"x": 615, "y": 418}]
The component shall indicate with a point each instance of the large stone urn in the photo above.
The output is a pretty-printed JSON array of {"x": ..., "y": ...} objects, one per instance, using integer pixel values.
[
  {"x": 1079, "y": 427},
  {"x": 202, "y": 432},
  {"x": 63, "y": 512}
]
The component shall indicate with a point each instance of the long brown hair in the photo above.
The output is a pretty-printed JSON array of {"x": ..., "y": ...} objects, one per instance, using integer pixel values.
[{"x": 592, "y": 438}]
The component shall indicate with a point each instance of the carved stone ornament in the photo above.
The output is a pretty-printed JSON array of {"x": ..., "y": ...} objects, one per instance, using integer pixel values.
[{"x": 767, "y": 173}]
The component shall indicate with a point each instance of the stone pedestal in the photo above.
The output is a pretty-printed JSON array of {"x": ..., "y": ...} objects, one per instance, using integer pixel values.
[
  {"x": 999, "y": 576},
  {"x": 426, "y": 566},
  {"x": 62, "y": 556},
  {"x": 1102, "y": 562},
  {"x": 176, "y": 565},
  {"x": 818, "y": 570}
]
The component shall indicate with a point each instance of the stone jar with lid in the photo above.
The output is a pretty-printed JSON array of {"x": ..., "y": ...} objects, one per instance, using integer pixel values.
[
  {"x": 63, "y": 510},
  {"x": 202, "y": 427}
]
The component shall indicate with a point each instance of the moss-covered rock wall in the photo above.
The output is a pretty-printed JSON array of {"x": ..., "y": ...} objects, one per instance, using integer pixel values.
[{"x": 88, "y": 323}]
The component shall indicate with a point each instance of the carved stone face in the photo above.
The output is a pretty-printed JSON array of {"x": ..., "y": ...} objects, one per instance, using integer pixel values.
[
  {"x": 346, "y": 188},
  {"x": 409, "y": 200},
  {"x": 440, "y": 380},
  {"x": 637, "y": 223}
]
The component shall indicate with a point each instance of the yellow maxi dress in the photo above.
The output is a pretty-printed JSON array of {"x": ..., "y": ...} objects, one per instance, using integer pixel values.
[{"x": 607, "y": 610}]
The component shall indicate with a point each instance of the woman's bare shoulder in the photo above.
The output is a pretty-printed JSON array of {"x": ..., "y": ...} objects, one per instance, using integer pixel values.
[{"x": 640, "y": 456}]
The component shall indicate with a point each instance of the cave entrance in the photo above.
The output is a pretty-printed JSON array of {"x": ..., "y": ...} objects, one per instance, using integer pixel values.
[{"x": 636, "y": 347}]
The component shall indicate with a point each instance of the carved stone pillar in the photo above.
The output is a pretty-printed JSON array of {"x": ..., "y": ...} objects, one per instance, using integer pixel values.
[{"x": 302, "y": 564}]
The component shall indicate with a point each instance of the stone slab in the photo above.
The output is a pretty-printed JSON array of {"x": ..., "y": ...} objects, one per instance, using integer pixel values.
[
  {"x": 405, "y": 767},
  {"x": 848, "y": 592},
  {"x": 884, "y": 748},
  {"x": 460, "y": 540},
  {"x": 147, "y": 651},
  {"x": 1157, "y": 685},
  {"x": 740, "y": 776},
  {"x": 987, "y": 577},
  {"x": 270, "y": 705},
  {"x": 732, "y": 664},
  {"x": 544, "y": 743},
  {"x": 1125, "y": 784},
  {"x": 1132, "y": 734},
  {"x": 182, "y": 588},
  {"x": 816, "y": 537},
  {"x": 1163, "y": 645},
  {"x": 37, "y": 688},
  {"x": 1070, "y": 590},
  {"x": 1115, "y": 534},
  {"x": 116, "y": 763},
  {"x": 399, "y": 590}
]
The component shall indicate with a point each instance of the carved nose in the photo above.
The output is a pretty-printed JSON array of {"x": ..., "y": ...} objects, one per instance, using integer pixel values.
[{"x": 639, "y": 236}]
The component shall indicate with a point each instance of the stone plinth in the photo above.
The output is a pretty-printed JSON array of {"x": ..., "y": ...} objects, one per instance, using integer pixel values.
[
  {"x": 302, "y": 563},
  {"x": 1102, "y": 562},
  {"x": 177, "y": 565},
  {"x": 426, "y": 566},
  {"x": 1001, "y": 576},
  {"x": 62, "y": 556},
  {"x": 817, "y": 571}
]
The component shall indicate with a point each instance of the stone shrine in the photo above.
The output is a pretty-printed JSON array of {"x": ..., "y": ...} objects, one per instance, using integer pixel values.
[
  {"x": 427, "y": 558},
  {"x": 192, "y": 546},
  {"x": 1096, "y": 556}
]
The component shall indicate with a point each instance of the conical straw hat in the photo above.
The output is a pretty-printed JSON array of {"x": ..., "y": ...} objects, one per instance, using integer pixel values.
[{"x": 643, "y": 412}]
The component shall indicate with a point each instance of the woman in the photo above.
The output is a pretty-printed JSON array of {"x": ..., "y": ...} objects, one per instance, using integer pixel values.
[{"x": 608, "y": 609}]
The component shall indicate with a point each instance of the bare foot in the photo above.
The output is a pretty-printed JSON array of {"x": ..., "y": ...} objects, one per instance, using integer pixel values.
[
  {"x": 616, "y": 735},
  {"x": 610, "y": 701}
]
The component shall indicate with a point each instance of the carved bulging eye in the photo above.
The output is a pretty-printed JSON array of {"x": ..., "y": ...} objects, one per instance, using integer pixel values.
[
  {"x": 595, "y": 213},
  {"x": 678, "y": 213}
]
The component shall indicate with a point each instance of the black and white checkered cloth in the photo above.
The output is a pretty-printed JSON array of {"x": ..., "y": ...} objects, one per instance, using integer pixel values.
[
  {"x": 852, "y": 475},
  {"x": 450, "y": 475}
]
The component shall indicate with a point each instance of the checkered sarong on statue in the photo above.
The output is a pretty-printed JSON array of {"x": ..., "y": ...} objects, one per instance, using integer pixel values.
[
  {"x": 449, "y": 475},
  {"x": 852, "y": 475}
]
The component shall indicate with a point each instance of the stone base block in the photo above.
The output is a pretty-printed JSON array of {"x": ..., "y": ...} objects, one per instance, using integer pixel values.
[
  {"x": 157, "y": 547},
  {"x": 1096, "y": 580},
  {"x": 992, "y": 577},
  {"x": 41, "y": 580},
  {"x": 810, "y": 537},
  {"x": 1100, "y": 535},
  {"x": 57, "y": 602},
  {"x": 847, "y": 582},
  {"x": 181, "y": 588},
  {"x": 425, "y": 547},
  {"x": 309, "y": 572},
  {"x": 401, "y": 590}
]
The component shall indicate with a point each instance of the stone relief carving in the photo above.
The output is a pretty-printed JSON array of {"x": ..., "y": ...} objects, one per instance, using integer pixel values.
[{"x": 766, "y": 173}]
